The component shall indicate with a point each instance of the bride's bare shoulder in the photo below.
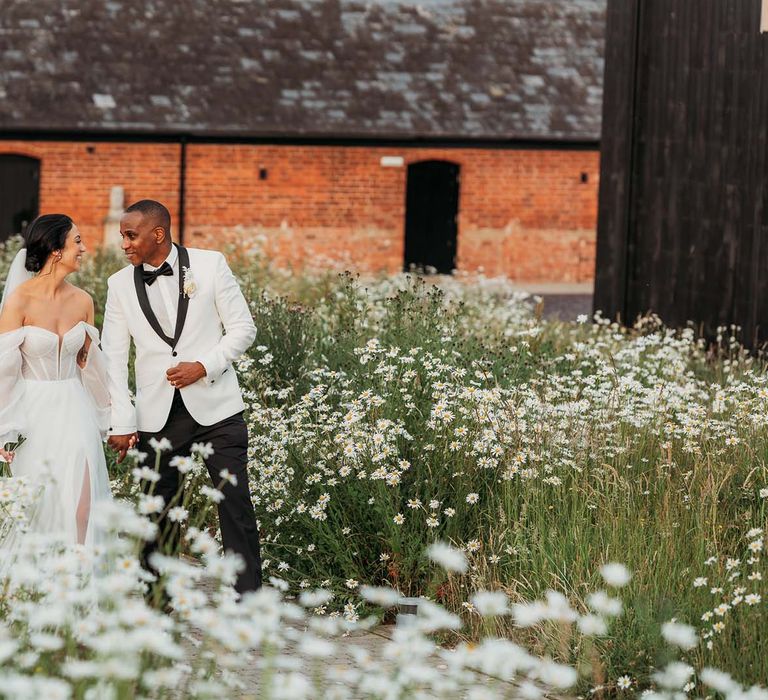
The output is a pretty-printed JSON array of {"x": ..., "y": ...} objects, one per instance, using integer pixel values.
[
  {"x": 20, "y": 297},
  {"x": 83, "y": 299},
  {"x": 23, "y": 291},
  {"x": 12, "y": 315}
]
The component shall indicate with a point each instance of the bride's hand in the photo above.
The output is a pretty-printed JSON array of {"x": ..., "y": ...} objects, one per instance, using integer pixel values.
[{"x": 7, "y": 456}]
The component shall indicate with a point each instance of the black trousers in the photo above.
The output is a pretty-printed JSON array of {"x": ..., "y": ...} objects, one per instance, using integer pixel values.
[{"x": 229, "y": 439}]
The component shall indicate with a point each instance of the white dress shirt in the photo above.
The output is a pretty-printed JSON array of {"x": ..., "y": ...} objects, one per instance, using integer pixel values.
[{"x": 163, "y": 294}]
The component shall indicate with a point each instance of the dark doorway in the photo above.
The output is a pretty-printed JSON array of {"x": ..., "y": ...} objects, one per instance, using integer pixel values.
[
  {"x": 431, "y": 210},
  {"x": 19, "y": 193}
]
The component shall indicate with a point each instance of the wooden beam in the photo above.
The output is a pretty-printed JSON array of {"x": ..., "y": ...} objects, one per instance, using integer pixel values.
[{"x": 617, "y": 158}]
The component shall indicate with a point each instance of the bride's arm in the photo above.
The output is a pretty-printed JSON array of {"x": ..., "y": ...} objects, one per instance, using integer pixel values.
[
  {"x": 11, "y": 420},
  {"x": 82, "y": 356},
  {"x": 93, "y": 372},
  {"x": 12, "y": 315}
]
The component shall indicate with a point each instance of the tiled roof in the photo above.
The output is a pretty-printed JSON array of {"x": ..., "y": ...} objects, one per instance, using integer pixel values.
[{"x": 499, "y": 69}]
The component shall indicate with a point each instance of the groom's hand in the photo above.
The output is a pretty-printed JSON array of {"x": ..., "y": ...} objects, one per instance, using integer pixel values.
[
  {"x": 185, "y": 373},
  {"x": 122, "y": 443}
]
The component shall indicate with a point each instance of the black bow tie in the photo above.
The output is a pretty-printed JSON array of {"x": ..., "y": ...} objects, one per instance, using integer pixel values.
[{"x": 151, "y": 275}]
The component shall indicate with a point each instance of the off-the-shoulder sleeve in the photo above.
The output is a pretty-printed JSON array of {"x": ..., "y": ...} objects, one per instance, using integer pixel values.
[
  {"x": 12, "y": 420},
  {"x": 94, "y": 378}
]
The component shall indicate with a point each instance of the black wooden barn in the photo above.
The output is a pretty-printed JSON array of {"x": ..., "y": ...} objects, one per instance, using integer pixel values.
[{"x": 683, "y": 213}]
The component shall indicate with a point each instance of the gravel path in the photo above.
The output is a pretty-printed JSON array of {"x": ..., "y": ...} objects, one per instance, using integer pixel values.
[
  {"x": 566, "y": 307},
  {"x": 371, "y": 641}
]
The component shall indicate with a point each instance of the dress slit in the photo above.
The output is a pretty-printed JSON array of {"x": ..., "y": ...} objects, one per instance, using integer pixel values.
[{"x": 83, "y": 512}]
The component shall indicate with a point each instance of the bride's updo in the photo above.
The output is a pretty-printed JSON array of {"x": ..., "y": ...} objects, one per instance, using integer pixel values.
[{"x": 44, "y": 235}]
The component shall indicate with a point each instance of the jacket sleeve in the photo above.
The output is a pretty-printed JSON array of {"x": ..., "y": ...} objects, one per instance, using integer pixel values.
[
  {"x": 12, "y": 419},
  {"x": 235, "y": 316},
  {"x": 94, "y": 378},
  {"x": 116, "y": 344}
]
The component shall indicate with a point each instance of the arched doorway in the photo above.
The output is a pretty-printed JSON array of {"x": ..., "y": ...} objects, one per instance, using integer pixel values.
[
  {"x": 19, "y": 193},
  {"x": 431, "y": 211}
]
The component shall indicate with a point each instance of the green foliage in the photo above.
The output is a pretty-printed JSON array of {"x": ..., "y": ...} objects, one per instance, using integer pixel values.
[{"x": 544, "y": 449}]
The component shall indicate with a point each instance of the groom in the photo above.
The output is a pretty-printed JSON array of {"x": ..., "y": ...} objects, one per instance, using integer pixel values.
[{"x": 174, "y": 303}]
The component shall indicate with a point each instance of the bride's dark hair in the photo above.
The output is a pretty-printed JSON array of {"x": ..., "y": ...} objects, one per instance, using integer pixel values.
[{"x": 44, "y": 235}]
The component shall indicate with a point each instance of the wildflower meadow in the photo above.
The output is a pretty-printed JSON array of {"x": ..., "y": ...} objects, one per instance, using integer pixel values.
[{"x": 580, "y": 507}]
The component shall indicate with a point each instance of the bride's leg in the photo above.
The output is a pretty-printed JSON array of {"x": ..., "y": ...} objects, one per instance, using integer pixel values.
[{"x": 84, "y": 506}]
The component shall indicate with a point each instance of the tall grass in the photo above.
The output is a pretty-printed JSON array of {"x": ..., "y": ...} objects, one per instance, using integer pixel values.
[{"x": 388, "y": 413}]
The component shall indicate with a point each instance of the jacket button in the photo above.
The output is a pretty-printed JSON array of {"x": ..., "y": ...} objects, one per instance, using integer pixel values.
[{"x": 174, "y": 353}]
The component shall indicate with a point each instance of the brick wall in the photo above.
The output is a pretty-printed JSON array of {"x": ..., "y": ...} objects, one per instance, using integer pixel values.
[
  {"x": 523, "y": 213},
  {"x": 76, "y": 178}
]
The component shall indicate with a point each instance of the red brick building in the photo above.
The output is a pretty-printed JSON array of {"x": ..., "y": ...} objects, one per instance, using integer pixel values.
[{"x": 451, "y": 133}]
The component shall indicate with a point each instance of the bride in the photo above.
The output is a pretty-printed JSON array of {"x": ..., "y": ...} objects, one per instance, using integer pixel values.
[{"x": 53, "y": 384}]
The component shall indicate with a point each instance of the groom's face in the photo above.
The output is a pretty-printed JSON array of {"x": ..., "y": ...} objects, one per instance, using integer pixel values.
[{"x": 141, "y": 237}]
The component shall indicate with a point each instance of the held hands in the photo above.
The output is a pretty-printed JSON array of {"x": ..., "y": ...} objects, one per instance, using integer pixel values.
[
  {"x": 185, "y": 373},
  {"x": 122, "y": 443}
]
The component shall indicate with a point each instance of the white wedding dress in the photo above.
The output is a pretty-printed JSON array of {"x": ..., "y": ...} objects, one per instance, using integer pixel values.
[{"x": 62, "y": 411}]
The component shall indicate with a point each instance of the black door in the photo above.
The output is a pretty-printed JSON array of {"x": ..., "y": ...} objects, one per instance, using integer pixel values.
[
  {"x": 431, "y": 210},
  {"x": 19, "y": 193}
]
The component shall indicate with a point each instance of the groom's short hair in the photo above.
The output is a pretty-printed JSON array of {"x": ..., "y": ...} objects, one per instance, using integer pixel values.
[{"x": 156, "y": 212}]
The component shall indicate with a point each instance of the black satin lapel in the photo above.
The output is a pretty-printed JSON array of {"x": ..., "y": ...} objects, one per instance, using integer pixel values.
[
  {"x": 141, "y": 293},
  {"x": 181, "y": 313}
]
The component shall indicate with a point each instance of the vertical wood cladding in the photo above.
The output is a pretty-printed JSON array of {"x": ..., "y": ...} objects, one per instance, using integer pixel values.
[{"x": 682, "y": 217}]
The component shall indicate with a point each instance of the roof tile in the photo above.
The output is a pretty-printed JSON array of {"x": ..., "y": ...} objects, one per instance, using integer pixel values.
[{"x": 343, "y": 68}]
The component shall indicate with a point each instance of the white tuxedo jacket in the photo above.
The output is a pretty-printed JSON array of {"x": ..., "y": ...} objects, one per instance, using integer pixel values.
[{"x": 214, "y": 326}]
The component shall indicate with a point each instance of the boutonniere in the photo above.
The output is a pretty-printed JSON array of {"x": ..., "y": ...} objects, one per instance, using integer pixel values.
[{"x": 190, "y": 286}]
